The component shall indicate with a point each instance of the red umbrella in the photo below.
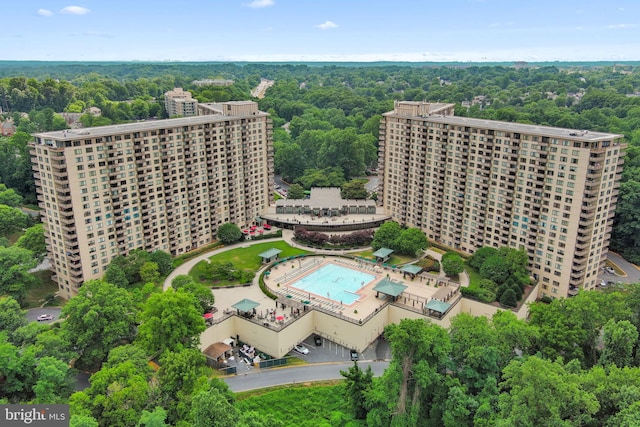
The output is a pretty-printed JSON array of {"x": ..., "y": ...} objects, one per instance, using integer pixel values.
[
  {"x": 208, "y": 315},
  {"x": 245, "y": 231},
  {"x": 280, "y": 318}
]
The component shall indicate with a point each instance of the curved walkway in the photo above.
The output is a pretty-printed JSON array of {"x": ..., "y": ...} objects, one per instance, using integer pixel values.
[
  {"x": 287, "y": 236},
  {"x": 188, "y": 265}
]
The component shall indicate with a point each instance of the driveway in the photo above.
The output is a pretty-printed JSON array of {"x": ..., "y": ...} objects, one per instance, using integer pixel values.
[
  {"x": 32, "y": 315},
  {"x": 631, "y": 271}
]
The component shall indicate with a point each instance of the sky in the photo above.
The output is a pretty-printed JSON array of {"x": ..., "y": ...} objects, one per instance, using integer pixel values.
[{"x": 321, "y": 30}]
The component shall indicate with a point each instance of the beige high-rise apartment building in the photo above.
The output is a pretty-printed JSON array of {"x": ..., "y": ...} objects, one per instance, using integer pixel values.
[
  {"x": 469, "y": 183},
  {"x": 178, "y": 102},
  {"x": 166, "y": 184}
]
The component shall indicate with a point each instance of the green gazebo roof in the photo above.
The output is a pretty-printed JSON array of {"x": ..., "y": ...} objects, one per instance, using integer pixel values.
[
  {"x": 411, "y": 269},
  {"x": 383, "y": 252},
  {"x": 438, "y": 306},
  {"x": 246, "y": 305},
  {"x": 389, "y": 287},
  {"x": 270, "y": 253}
]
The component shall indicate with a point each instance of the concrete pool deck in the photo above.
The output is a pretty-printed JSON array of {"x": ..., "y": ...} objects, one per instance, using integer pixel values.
[{"x": 419, "y": 290}]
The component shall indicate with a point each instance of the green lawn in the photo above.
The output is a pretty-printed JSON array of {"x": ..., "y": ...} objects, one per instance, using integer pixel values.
[
  {"x": 474, "y": 276},
  {"x": 42, "y": 289},
  {"x": 393, "y": 260},
  {"x": 438, "y": 250},
  {"x": 246, "y": 258}
]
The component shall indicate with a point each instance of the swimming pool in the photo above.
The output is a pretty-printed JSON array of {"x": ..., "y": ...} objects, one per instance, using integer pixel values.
[{"x": 335, "y": 282}]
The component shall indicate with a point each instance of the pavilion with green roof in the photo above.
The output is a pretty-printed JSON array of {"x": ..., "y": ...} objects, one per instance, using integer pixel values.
[
  {"x": 382, "y": 254},
  {"x": 269, "y": 255},
  {"x": 411, "y": 269},
  {"x": 245, "y": 306},
  {"x": 437, "y": 308},
  {"x": 389, "y": 287}
]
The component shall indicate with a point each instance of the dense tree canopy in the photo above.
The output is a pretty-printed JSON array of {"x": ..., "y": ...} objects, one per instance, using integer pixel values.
[
  {"x": 408, "y": 241},
  {"x": 574, "y": 363},
  {"x": 171, "y": 321},
  {"x": 100, "y": 317},
  {"x": 15, "y": 263}
]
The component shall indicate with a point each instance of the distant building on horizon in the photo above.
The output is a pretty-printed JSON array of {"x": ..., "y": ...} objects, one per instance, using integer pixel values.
[
  {"x": 213, "y": 82},
  {"x": 163, "y": 184},
  {"x": 469, "y": 183}
]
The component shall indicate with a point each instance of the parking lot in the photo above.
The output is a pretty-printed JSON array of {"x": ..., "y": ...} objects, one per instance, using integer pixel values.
[{"x": 329, "y": 351}]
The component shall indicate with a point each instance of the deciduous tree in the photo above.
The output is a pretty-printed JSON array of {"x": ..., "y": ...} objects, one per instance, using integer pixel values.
[
  {"x": 33, "y": 240},
  {"x": 15, "y": 264},
  {"x": 620, "y": 338},
  {"x": 354, "y": 190},
  {"x": 452, "y": 264},
  {"x": 541, "y": 392},
  {"x": 412, "y": 242},
  {"x": 54, "y": 382},
  {"x": 229, "y": 233},
  {"x": 357, "y": 384},
  {"x": 295, "y": 191},
  {"x": 164, "y": 261},
  {"x": 11, "y": 220},
  {"x": 11, "y": 316},
  {"x": 170, "y": 321},
  {"x": 100, "y": 317},
  {"x": 386, "y": 235}
]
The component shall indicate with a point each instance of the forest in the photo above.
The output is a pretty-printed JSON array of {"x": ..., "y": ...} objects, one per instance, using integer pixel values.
[
  {"x": 575, "y": 362},
  {"x": 326, "y": 117}
]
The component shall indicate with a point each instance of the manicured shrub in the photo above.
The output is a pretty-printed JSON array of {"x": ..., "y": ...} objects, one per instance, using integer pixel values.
[{"x": 508, "y": 298}]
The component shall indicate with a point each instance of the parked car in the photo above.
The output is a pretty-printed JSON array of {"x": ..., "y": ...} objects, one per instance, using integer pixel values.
[
  {"x": 301, "y": 349},
  {"x": 354, "y": 355},
  {"x": 609, "y": 270},
  {"x": 317, "y": 339},
  {"x": 44, "y": 317}
]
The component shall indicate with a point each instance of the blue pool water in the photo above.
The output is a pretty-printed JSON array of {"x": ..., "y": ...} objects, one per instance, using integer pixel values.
[{"x": 335, "y": 282}]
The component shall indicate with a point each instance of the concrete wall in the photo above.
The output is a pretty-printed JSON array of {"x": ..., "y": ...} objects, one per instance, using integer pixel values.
[{"x": 345, "y": 333}]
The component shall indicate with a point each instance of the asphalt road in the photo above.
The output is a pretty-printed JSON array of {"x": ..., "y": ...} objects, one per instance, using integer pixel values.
[
  {"x": 32, "y": 315},
  {"x": 254, "y": 379},
  {"x": 632, "y": 273},
  {"x": 278, "y": 181}
]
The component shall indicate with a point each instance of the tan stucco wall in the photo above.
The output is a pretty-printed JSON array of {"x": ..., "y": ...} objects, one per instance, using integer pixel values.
[{"x": 347, "y": 334}]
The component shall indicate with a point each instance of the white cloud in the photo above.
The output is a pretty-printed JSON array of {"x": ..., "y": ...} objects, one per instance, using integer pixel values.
[
  {"x": 75, "y": 10},
  {"x": 257, "y": 4},
  {"x": 327, "y": 25},
  {"x": 616, "y": 26},
  {"x": 44, "y": 12}
]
